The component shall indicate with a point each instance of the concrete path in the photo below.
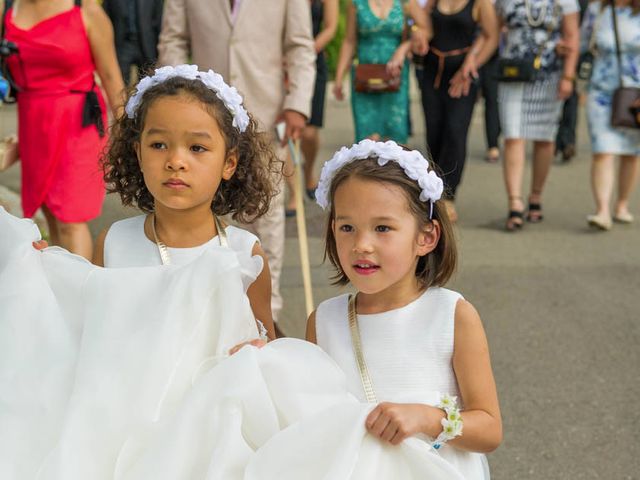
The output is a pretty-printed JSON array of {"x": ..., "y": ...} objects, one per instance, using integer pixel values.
[{"x": 560, "y": 304}]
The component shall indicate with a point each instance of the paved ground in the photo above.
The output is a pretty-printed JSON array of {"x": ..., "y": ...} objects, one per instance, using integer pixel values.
[{"x": 560, "y": 304}]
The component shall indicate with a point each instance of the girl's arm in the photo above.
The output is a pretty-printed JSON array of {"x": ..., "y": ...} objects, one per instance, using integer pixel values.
[
  {"x": 329, "y": 25},
  {"x": 100, "y": 33},
  {"x": 259, "y": 293},
  {"x": 311, "y": 328},
  {"x": 482, "y": 425},
  {"x": 347, "y": 50},
  {"x": 482, "y": 431}
]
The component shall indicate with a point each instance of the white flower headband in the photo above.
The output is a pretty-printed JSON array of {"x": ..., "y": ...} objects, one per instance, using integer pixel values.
[
  {"x": 214, "y": 81},
  {"x": 412, "y": 162}
]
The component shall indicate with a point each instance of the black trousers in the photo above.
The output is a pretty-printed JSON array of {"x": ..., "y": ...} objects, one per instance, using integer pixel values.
[
  {"x": 567, "y": 130},
  {"x": 489, "y": 89},
  {"x": 447, "y": 120},
  {"x": 131, "y": 54}
]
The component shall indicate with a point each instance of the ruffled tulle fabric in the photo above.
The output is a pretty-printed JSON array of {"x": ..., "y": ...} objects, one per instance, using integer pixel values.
[{"x": 124, "y": 374}]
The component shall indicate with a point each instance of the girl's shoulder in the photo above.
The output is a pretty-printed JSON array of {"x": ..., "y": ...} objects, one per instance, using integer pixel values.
[{"x": 334, "y": 308}]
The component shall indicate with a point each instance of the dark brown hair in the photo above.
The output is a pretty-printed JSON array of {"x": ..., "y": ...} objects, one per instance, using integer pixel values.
[
  {"x": 246, "y": 195},
  {"x": 433, "y": 269},
  {"x": 634, "y": 4}
]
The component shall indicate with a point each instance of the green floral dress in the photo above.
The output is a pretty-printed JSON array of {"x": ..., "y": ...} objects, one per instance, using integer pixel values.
[{"x": 386, "y": 114}]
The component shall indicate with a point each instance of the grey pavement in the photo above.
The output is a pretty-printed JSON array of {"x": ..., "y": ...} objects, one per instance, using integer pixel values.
[{"x": 559, "y": 302}]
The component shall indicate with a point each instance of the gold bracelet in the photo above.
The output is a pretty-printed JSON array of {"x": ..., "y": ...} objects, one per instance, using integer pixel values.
[{"x": 570, "y": 78}]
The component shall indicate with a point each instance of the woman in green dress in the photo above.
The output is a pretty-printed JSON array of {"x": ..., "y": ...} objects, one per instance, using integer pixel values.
[{"x": 375, "y": 31}]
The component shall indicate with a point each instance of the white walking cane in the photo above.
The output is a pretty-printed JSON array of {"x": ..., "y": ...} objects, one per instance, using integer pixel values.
[{"x": 302, "y": 226}]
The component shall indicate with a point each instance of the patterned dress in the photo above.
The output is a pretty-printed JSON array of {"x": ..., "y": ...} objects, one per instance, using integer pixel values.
[
  {"x": 531, "y": 110},
  {"x": 605, "y": 79},
  {"x": 386, "y": 114}
]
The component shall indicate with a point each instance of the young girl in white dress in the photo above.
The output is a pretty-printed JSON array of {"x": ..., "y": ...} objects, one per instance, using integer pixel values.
[
  {"x": 409, "y": 344},
  {"x": 185, "y": 153}
]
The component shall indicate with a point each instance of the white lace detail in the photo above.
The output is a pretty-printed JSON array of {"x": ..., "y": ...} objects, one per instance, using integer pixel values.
[
  {"x": 412, "y": 162},
  {"x": 214, "y": 81}
]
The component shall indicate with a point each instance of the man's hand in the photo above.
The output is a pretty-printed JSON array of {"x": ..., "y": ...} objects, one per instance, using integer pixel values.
[{"x": 295, "y": 123}]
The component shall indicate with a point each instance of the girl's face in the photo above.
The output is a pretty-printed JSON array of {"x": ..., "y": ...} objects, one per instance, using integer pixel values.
[
  {"x": 182, "y": 153},
  {"x": 378, "y": 238}
]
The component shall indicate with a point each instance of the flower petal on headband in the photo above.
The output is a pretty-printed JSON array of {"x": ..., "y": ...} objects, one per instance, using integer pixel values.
[
  {"x": 214, "y": 81},
  {"x": 415, "y": 166}
]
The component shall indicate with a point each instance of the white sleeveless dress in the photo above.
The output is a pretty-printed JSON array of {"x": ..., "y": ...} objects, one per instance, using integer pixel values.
[
  {"x": 126, "y": 245},
  {"x": 409, "y": 354}
]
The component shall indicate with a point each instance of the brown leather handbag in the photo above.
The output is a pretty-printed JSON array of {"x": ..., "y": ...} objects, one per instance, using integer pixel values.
[
  {"x": 626, "y": 100},
  {"x": 374, "y": 78}
]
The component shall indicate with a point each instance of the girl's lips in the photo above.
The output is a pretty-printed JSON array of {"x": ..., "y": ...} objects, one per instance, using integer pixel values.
[
  {"x": 365, "y": 268},
  {"x": 175, "y": 183}
]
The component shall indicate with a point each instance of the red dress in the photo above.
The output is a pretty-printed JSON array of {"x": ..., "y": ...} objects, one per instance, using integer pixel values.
[{"x": 60, "y": 128}]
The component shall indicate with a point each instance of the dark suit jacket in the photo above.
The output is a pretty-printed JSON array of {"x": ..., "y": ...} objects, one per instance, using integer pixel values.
[{"x": 149, "y": 23}]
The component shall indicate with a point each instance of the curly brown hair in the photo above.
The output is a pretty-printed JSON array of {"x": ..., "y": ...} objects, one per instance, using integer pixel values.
[
  {"x": 246, "y": 196},
  {"x": 433, "y": 269}
]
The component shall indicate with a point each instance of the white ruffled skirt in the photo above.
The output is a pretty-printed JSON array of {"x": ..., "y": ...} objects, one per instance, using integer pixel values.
[{"x": 123, "y": 374}]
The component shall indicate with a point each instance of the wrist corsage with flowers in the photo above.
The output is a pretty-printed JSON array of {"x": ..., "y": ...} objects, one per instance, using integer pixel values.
[{"x": 451, "y": 423}]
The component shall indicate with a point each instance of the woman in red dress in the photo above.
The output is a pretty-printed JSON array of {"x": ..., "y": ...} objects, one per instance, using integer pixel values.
[{"x": 62, "y": 119}]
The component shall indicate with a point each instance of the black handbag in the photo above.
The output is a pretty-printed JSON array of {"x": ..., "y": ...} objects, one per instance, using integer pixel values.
[
  {"x": 625, "y": 102},
  {"x": 523, "y": 70},
  {"x": 517, "y": 70}
]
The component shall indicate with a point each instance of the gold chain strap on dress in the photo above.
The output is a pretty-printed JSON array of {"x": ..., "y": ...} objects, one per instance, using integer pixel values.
[
  {"x": 367, "y": 385},
  {"x": 164, "y": 251}
]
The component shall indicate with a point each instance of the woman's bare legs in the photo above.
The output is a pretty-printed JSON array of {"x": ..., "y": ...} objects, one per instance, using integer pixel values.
[
  {"x": 513, "y": 171},
  {"x": 627, "y": 180},
  {"x": 542, "y": 159},
  {"x": 74, "y": 237},
  {"x": 602, "y": 175}
]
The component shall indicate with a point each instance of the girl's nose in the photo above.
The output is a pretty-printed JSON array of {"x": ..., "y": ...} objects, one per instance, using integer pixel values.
[
  {"x": 362, "y": 243},
  {"x": 176, "y": 160}
]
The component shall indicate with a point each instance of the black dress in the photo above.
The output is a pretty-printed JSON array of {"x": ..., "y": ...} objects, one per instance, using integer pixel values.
[
  {"x": 317, "y": 103},
  {"x": 447, "y": 119}
]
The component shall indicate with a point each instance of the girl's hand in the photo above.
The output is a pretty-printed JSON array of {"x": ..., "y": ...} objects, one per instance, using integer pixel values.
[
  {"x": 258, "y": 343},
  {"x": 565, "y": 88},
  {"x": 40, "y": 244},
  {"x": 393, "y": 422},
  {"x": 338, "y": 91}
]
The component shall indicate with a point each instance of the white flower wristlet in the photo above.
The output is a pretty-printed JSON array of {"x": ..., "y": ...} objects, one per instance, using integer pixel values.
[{"x": 451, "y": 423}]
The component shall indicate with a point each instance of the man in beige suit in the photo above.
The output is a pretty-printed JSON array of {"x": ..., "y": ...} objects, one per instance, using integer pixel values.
[{"x": 248, "y": 42}]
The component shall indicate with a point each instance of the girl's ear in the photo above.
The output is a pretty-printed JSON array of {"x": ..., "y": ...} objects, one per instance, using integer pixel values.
[
  {"x": 428, "y": 238},
  {"x": 230, "y": 164}
]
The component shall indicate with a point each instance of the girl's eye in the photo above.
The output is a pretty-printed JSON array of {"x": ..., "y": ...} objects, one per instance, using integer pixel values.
[
  {"x": 198, "y": 148},
  {"x": 346, "y": 228},
  {"x": 158, "y": 145},
  {"x": 383, "y": 228}
]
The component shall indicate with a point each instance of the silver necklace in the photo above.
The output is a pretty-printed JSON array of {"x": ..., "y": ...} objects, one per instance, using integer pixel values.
[
  {"x": 530, "y": 20},
  {"x": 164, "y": 251}
]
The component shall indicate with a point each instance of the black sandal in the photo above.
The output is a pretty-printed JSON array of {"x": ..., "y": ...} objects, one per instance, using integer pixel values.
[
  {"x": 535, "y": 213},
  {"x": 514, "y": 221}
]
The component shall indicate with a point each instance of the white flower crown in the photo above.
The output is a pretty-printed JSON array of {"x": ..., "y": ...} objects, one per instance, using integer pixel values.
[
  {"x": 412, "y": 162},
  {"x": 214, "y": 81}
]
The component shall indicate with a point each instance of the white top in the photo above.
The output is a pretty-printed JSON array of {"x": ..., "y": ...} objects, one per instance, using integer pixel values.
[
  {"x": 408, "y": 352},
  {"x": 126, "y": 245}
]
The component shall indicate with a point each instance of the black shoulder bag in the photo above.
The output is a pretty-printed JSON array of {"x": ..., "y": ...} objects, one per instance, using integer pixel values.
[
  {"x": 523, "y": 70},
  {"x": 625, "y": 104}
]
